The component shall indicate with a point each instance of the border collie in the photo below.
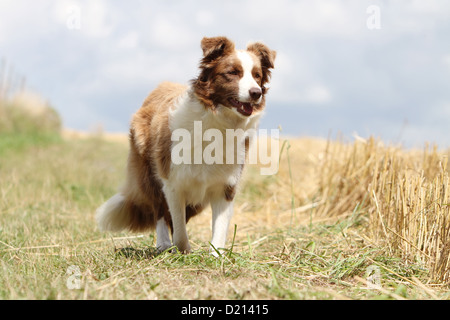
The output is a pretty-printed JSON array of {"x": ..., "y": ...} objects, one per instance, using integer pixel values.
[{"x": 229, "y": 93}]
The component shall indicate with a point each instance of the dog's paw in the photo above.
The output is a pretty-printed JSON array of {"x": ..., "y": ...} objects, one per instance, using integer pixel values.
[
  {"x": 163, "y": 247},
  {"x": 184, "y": 249},
  {"x": 216, "y": 252}
]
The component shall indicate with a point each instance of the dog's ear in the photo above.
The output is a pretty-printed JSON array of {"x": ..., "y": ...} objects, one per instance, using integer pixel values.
[
  {"x": 263, "y": 52},
  {"x": 214, "y": 48},
  {"x": 266, "y": 56}
]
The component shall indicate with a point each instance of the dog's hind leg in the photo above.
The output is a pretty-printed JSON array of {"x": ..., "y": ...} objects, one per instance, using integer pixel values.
[{"x": 162, "y": 235}]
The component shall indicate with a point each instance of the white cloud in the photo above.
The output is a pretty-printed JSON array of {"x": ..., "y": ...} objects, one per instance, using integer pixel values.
[
  {"x": 416, "y": 18},
  {"x": 129, "y": 40},
  {"x": 327, "y": 18},
  {"x": 204, "y": 18},
  {"x": 446, "y": 60},
  {"x": 169, "y": 31},
  {"x": 317, "y": 94},
  {"x": 18, "y": 20},
  {"x": 296, "y": 81},
  {"x": 94, "y": 19},
  {"x": 441, "y": 111},
  {"x": 427, "y": 7}
]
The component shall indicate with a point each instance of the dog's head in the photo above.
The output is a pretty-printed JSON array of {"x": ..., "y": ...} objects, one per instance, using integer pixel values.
[{"x": 234, "y": 79}]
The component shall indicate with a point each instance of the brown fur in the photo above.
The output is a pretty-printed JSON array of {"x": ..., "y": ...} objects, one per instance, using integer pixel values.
[{"x": 149, "y": 158}]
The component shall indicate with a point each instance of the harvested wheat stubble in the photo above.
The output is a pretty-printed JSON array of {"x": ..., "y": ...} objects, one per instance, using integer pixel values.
[{"x": 405, "y": 194}]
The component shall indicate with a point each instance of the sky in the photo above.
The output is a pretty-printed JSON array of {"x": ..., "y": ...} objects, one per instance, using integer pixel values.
[{"x": 343, "y": 67}]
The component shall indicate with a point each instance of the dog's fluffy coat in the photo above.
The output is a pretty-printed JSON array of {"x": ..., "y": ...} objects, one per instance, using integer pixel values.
[{"x": 229, "y": 93}]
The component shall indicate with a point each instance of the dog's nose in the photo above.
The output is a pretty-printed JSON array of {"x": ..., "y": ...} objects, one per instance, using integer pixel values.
[{"x": 255, "y": 93}]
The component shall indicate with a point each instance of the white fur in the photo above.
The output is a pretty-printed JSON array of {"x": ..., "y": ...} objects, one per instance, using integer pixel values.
[
  {"x": 247, "y": 81},
  {"x": 222, "y": 212},
  {"x": 201, "y": 183},
  {"x": 109, "y": 216}
]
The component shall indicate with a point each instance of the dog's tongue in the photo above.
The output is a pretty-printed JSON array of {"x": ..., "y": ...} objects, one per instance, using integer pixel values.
[{"x": 246, "y": 109}]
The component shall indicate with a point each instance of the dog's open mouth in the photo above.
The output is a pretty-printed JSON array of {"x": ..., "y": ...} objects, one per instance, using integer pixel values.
[{"x": 244, "y": 108}]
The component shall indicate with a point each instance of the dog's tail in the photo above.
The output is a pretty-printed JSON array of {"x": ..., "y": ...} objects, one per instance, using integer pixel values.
[
  {"x": 121, "y": 212},
  {"x": 112, "y": 216}
]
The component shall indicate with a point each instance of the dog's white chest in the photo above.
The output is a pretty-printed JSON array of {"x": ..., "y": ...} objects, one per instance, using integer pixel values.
[{"x": 200, "y": 182}]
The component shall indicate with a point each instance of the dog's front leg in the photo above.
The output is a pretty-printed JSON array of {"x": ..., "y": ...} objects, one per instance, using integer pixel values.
[
  {"x": 177, "y": 209},
  {"x": 222, "y": 211}
]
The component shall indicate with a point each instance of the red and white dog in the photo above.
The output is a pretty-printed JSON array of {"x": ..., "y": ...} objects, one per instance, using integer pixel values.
[{"x": 229, "y": 93}]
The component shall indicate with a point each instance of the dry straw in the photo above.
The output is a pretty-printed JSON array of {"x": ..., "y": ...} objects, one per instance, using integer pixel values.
[
  {"x": 405, "y": 194},
  {"x": 22, "y": 111}
]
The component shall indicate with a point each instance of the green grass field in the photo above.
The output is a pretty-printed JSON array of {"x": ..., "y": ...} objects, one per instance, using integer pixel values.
[{"x": 50, "y": 247}]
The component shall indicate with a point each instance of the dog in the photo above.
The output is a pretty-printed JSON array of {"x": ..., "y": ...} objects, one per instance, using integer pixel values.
[{"x": 163, "y": 194}]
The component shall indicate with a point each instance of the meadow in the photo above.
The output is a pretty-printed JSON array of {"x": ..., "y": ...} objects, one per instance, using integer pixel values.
[{"x": 340, "y": 220}]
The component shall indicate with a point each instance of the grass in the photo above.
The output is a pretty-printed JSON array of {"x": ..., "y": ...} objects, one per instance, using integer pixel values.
[
  {"x": 339, "y": 221},
  {"x": 48, "y": 197},
  {"x": 26, "y": 121}
]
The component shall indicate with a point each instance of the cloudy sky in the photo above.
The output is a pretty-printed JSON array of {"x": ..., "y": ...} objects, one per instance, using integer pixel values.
[{"x": 378, "y": 68}]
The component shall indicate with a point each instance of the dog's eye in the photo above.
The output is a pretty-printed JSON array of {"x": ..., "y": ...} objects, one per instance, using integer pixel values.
[
  {"x": 257, "y": 76},
  {"x": 233, "y": 72}
]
